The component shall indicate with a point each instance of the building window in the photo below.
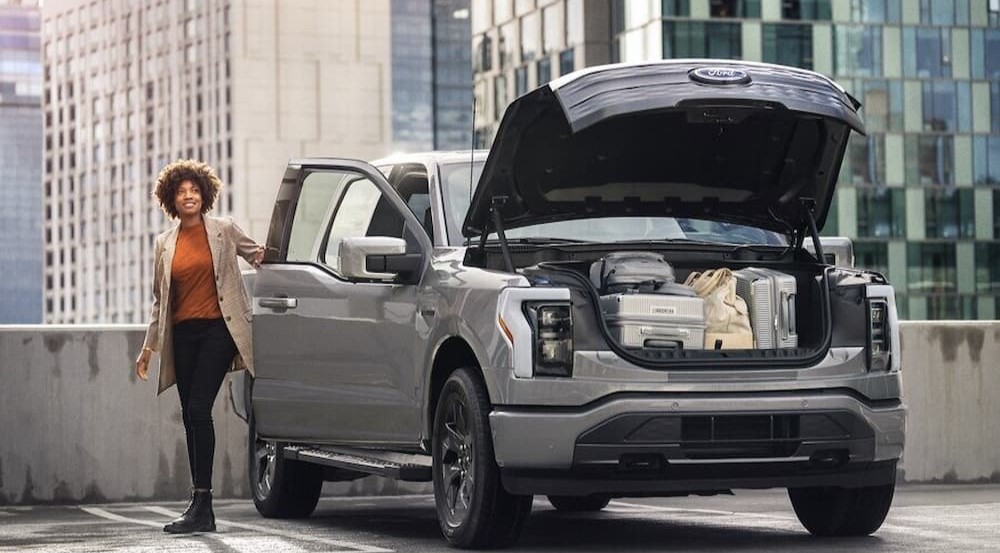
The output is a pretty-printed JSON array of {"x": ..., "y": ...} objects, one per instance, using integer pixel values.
[
  {"x": 683, "y": 39},
  {"x": 881, "y": 212},
  {"x": 951, "y": 307},
  {"x": 930, "y": 267},
  {"x": 735, "y": 8},
  {"x": 995, "y": 107},
  {"x": 985, "y": 53},
  {"x": 553, "y": 29},
  {"x": 544, "y": 69},
  {"x": 865, "y": 161},
  {"x": 883, "y": 104},
  {"x": 788, "y": 44},
  {"x": 993, "y": 12},
  {"x": 876, "y": 11},
  {"x": 520, "y": 81},
  {"x": 531, "y": 36},
  {"x": 943, "y": 12},
  {"x": 499, "y": 96},
  {"x": 930, "y": 159},
  {"x": 946, "y": 106},
  {"x": 926, "y": 52},
  {"x": 506, "y": 44},
  {"x": 988, "y": 267},
  {"x": 857, "y": 50},
  {"x": 986, "y": 160},
  {"x": 675, "y": 8},
  {"x": 949, "y": 213},
  {"x": 567, "y": 62},
  {"x": 806, "y": 9},
  {"x": 872, "y": 256}
]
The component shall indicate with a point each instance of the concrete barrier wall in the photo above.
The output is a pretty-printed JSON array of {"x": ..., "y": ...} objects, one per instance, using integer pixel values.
[
  {"x": 951, "y": 386},
  {"x": 76, "y": 425}
]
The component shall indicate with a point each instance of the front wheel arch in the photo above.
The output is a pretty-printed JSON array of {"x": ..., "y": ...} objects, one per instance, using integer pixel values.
[{"x": 452, "y": 354}]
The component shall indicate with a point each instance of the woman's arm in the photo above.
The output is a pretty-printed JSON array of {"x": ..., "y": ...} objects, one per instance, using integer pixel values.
[
  {"x": 152, "y": 331},
  {"x": 246, "y": 248}
]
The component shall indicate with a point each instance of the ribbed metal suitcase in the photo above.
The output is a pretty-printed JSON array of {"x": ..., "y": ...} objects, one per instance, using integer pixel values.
[
  {"x": 770, "y": 297},
  {"x": 655, "y": 320}
]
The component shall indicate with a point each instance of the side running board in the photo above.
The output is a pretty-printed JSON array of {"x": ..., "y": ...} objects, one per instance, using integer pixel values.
[{"x": 411, "y": 468}]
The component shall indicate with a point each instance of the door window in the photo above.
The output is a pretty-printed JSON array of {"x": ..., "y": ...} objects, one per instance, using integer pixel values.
[
  {"x": 319, "y": 192},
  {"x": 353, "y": 217}
]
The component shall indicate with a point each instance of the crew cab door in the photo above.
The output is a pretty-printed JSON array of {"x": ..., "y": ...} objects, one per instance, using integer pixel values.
[{"x": 334, "y": 355}]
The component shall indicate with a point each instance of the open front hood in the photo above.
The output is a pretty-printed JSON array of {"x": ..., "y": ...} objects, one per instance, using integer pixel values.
[{"x": 737, "y": 142}]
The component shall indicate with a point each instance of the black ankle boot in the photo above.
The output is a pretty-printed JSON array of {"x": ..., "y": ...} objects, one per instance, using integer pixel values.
[{"x": 197, "y": 518}]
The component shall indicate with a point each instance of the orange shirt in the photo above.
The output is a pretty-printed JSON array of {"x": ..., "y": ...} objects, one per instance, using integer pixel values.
[{"x": 193, "y": 277}]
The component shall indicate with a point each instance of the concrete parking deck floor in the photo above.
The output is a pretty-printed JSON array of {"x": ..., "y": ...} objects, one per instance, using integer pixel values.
[{"x": 924, "y": 518}]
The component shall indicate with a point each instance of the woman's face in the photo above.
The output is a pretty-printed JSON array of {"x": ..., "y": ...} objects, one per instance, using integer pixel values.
[{"x": 188, "y": 199}]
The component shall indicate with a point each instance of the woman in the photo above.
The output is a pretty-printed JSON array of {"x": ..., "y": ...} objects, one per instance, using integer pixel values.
[{"x": 200, "y": 321}]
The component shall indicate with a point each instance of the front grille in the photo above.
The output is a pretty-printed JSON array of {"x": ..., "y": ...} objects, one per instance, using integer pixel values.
[{"x": 714, "y": 428}]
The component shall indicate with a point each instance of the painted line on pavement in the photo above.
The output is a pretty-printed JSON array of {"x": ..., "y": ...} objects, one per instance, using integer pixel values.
[
  {"x": 275, "y": 532},
  {"x": 680, "y": 510},
  {"x": 98, "y": 512}
]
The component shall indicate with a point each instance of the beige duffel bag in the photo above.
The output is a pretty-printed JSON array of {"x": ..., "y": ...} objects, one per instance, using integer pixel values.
[{"x": 727, "y": 322}]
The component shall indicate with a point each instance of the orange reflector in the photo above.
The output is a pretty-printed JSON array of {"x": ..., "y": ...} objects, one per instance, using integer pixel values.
[{"x": 503, "y": 326}]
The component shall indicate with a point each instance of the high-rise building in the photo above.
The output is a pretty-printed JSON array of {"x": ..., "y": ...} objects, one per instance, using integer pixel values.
[
  {"x": 131, "y": 85},
  {"x": 519, "y": 45},
  {"x": 431, "y": 75},
  {"x": 919, "y": 195},
  {"x": 20, "y": 162}
]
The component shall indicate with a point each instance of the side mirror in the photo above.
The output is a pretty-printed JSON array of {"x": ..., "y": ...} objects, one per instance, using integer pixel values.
[
  {"x": 837, "y": 250},
  {"x": 377, "y": 258}
]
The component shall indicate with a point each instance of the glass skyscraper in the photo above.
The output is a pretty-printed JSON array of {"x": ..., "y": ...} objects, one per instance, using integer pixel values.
[
  {"x": 431, "y": 75},
  {"x": 20, "y": 163},
  {"x": 920, "y": 194}
]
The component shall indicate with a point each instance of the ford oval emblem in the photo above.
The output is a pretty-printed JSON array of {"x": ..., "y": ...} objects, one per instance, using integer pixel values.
[{"x": 720, "y": 75}]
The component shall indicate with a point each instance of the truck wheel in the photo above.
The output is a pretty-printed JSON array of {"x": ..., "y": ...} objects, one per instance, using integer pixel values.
[
  {"x": 473, "y": 508},
  {"x": 834, "y": 511},
  {"x": 579, "y": 504},
  {"x": 280, "y": 488}
]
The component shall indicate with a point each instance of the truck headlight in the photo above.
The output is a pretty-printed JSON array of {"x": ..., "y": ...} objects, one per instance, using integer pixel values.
[
  {"x": 879, "y": 343},
  {"x": 552, "y": 329}
]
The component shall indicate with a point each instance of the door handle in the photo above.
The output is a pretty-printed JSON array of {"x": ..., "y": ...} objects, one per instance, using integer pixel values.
[{"x": 278, "y": 303}]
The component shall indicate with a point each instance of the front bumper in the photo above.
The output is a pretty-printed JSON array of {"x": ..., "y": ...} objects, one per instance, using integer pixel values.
[{"x": 649, "y": 444}]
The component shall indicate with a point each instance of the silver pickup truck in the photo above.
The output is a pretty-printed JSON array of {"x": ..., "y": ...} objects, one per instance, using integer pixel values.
[{"x": 430, "y": 318}]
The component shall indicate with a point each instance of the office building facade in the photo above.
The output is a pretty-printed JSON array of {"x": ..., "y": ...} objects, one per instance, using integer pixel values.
[
  {"x": 20, "y": 162},
  {"x": 920, "y": 194},
  {"x": 131, "y": 85}
]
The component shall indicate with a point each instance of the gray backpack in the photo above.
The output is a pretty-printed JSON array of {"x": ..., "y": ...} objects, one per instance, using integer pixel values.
[{"x": 636, "y": 272}]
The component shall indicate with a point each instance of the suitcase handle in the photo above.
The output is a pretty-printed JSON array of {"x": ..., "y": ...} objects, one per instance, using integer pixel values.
[
  {"x": 662, "y": 344},
  {"x": 665, "y": 332},
  {"x": 788, "y": 314}
]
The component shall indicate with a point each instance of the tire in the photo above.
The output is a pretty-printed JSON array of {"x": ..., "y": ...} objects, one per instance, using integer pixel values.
[
  {"x": 579, "y": 504},
  {"x": 839, "y": 512},
  {"x": 280, "y": 488},
  {"x": 473, "y": 508}
]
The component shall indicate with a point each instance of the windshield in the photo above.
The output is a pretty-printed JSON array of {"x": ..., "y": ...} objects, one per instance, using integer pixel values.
[{"x": 456, "y": 179}]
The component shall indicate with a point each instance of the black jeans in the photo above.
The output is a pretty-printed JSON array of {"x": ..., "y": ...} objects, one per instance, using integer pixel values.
[{"x": 203, "y": 352}]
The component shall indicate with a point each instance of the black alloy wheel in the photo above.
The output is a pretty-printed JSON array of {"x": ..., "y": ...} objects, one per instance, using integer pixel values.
[{"x": 474, "y": 510}]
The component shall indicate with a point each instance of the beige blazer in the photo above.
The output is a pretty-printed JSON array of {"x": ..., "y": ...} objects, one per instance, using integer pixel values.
[{"x": 226, "y": 240}]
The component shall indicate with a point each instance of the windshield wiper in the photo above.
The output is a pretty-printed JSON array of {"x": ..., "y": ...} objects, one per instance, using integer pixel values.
[{"x": 536, "y": 240}]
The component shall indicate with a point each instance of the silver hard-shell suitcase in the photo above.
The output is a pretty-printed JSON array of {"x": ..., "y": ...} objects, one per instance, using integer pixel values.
[
  {"x": 655, "y": 320},
  {"x": 770, "y": 297}
]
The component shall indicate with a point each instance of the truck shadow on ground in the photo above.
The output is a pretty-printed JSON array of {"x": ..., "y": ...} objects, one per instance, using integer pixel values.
[{"x": 549, "y": 530}]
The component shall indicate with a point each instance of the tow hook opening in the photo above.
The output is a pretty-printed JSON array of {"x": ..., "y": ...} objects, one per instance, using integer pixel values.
[
  {"x": 829, "y": 458},
  {"x": 631, "y": 462}
]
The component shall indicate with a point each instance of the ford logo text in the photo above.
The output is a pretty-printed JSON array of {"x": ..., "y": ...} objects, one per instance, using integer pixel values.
[{"x": 720, "y": 75}]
